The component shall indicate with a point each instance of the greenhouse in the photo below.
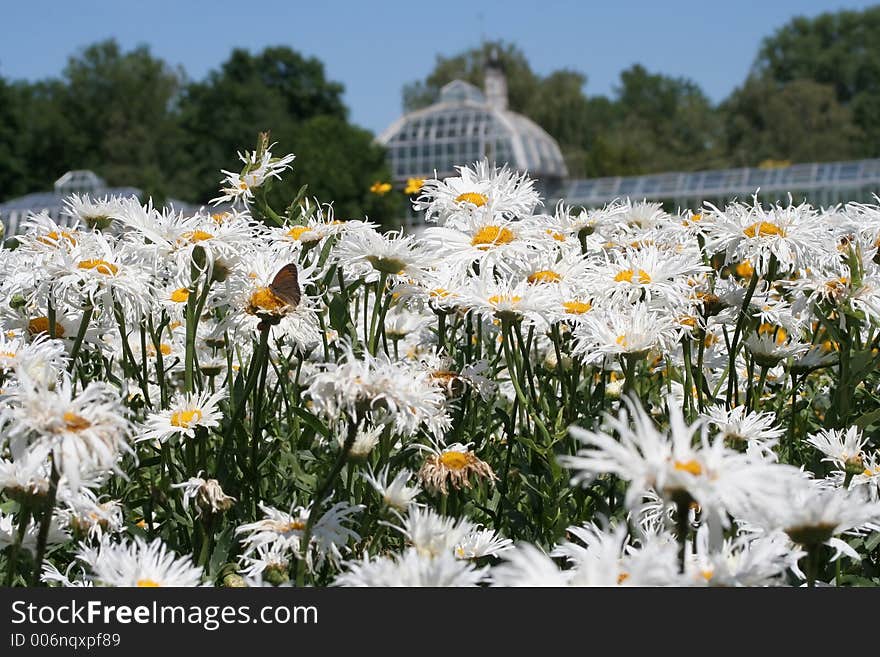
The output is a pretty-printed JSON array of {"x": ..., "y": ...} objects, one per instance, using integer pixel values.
[{"x": 466, "y": 125}]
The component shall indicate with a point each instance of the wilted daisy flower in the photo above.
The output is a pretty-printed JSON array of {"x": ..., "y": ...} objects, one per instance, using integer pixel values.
[
  {"x": 258, "y": 168},
  {"x": 396, "y": 493},
  {"x": 480, "y": 189},
  {"x": 85, "y": 432},
  {"x": 140, "y": 564},
  {"x": 186, "y": 413},
  {"x": 411, "y": 569},
  {"x": 453, "y": 465},
  {"x": 207, "y": 495}
]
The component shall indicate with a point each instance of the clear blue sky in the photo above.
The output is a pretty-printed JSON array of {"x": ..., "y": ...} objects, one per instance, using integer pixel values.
[{"x": 373, "y": 48}]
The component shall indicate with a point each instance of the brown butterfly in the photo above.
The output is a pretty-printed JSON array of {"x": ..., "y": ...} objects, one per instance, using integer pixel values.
[{"x": 285, "y": 285}]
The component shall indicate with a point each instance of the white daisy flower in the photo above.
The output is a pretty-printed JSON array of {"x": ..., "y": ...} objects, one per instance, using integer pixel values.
[
  {"x": 411, "y": 569},
  {"x": 186, "y": 413},
  {"x": 480, "y": 189},
  {"x": 396, "y": 494},
  {"x": 140, "y": 564}
]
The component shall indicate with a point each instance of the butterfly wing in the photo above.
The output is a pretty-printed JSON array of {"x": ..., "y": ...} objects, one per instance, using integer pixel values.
[{"x": 285, "y": 285}]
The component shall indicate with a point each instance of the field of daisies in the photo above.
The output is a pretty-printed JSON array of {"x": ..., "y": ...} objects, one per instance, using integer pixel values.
[{"x": 516, "y": 396}]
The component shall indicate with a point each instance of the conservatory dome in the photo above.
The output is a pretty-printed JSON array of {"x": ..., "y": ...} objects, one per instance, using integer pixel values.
[{"x": 466, "y": 125}]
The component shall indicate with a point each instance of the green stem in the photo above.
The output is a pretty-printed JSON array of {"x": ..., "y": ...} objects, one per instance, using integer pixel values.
[
  {"x": 80, "y": 334},
  {"x": 23, "y": 521},
  {"x": 43, "y": 535},
  {"x": 324, "y": 490},
  {"x": 740, "y": 323},
  {"x": 682, "y": 527}
]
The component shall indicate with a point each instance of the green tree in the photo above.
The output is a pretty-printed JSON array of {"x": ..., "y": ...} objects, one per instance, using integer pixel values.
[
  {"x": 839, "y": 49},
  {"x": 12, "y": 165},
  {"x": 655, "y": 122},
  {"x": 522, "y": 82},
  {"x": 121, "y": 118},
  {"x": 800, "y": 121},
  {"x": 280, "y": 91}
]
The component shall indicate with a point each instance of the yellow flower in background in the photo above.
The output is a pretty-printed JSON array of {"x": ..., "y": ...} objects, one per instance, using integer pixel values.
[
  {"x": 413, "y": 185},
  {"x": 380, "y": 188}
]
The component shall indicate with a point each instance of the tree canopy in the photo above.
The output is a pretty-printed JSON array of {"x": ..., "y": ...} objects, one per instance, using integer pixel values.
[
  {"x": 136, "y": 121},
  {"x": 813, "y": 94}
]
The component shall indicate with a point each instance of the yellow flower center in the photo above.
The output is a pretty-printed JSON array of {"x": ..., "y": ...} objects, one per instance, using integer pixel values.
[
  {"x": 184, "y": 419},
  {"x": 707, "y": 574},
  {"x": 180, "y": 295},
  {"x": 622, "y": 577},
  {"x": 497, "y": 299},
  {"x": 763, "y": 229},
  {"x": 219, "y": 217},
  {"x": 297, "y": 231},
  {"x": 474, "y": 198},
  {"x": 293, "y": 526},
  {"x": 745, "y": 269},
  {"x": 621, "y": 340},
  {"x": 439, "y": 293},
  {"x": 52, "y": 237},
  {"x": 264, "y": 299},
  {"x": 768, "y": 329},
  {"x": 544, "y": 276},
  {"x": 41, "y": 325},
  {"x": 148, "y": 583},
  {"x": 455, "y": 460},
  {"x": 489, "y": 236},
  {"x": 164, "y": 349},
  {"x": 197, "y": 236},
  {"x": 559, "y": 237},
  {"x": 100, "y": 266},
  {"x": 627, "y": 276},
  {"x": 74, "y": 422},
  {"x": 691, "y": 467},
  {"x": 575, "y": 307}
]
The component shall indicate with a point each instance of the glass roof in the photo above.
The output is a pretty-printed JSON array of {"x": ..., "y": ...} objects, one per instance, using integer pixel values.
[
  {"x": 802, "y": 179},
  {"x": 463, "y": 127}
]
